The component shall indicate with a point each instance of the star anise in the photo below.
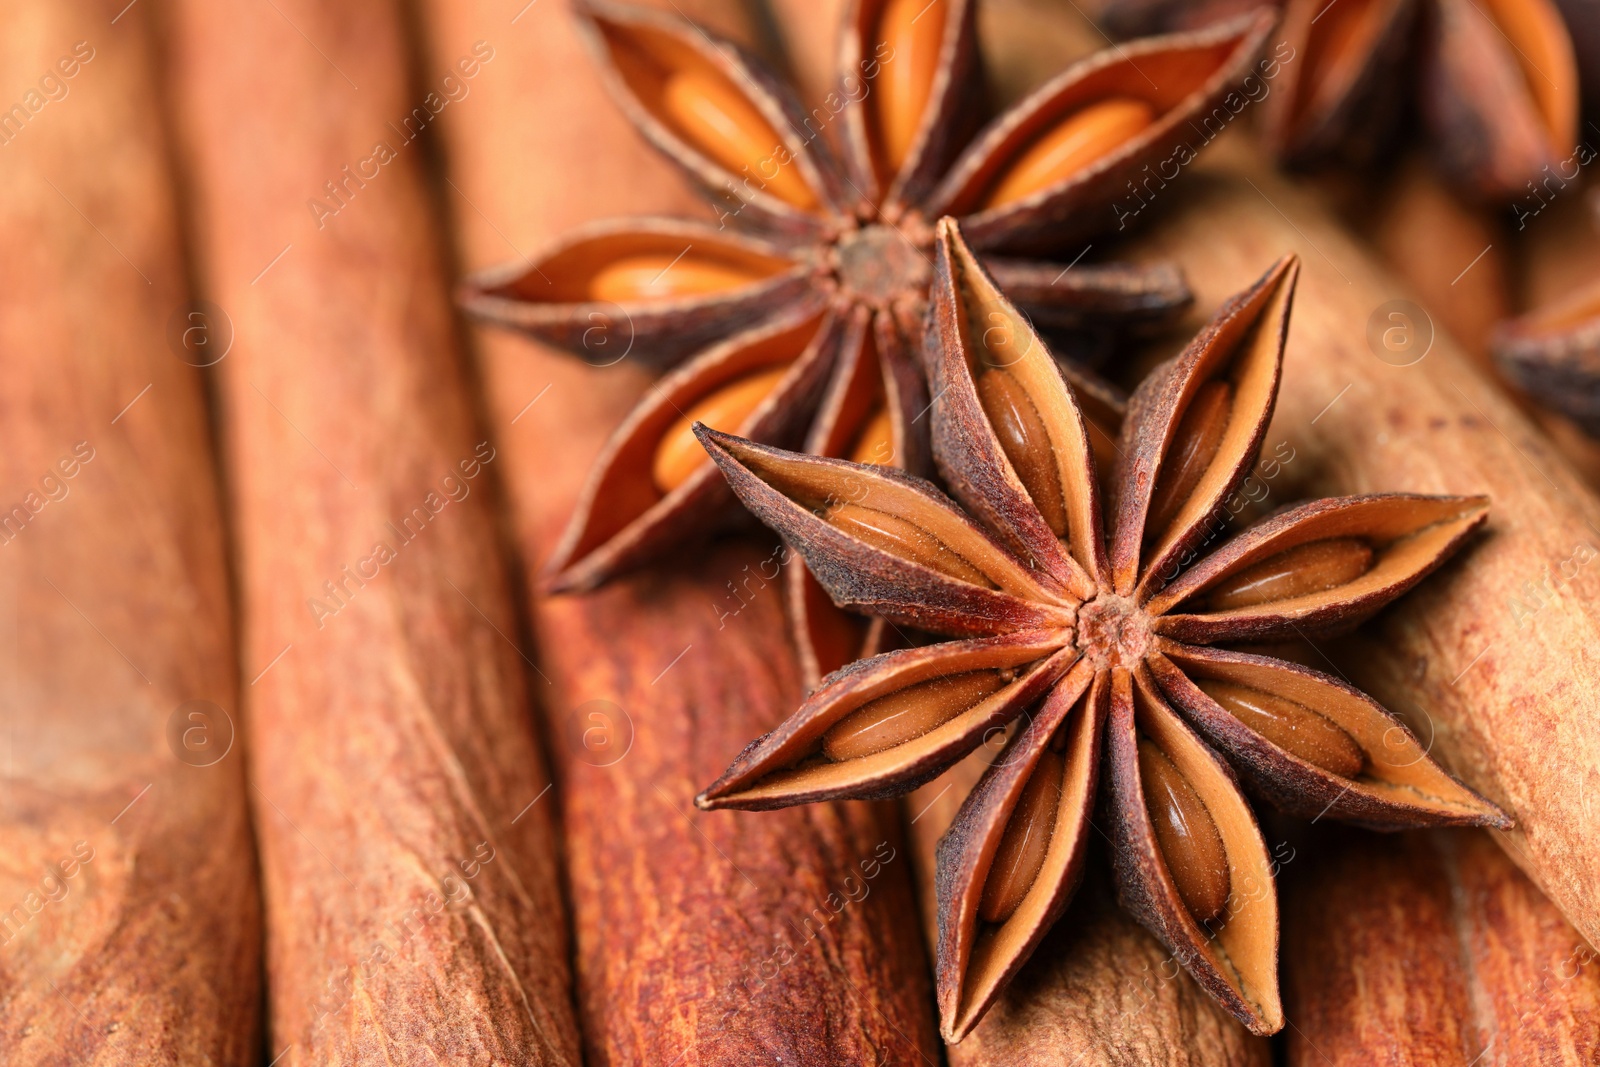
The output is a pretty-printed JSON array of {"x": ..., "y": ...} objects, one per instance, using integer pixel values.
[
  {"x": 1099, "y": 648},
  {"x": 1493, "y": 83},
  {"x": 1554, "y": 354},
  {"x": 811, "y": 286}
]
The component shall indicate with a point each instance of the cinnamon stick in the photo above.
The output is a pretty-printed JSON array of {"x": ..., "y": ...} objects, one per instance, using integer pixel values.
[
  {"x": 1430, "y": 948},
  {"x": 1507, "y": 694},
  {"x": 129, "y": 915},
  {"x": 701, "y": 938},
  {"x": 414, "y": 910}
]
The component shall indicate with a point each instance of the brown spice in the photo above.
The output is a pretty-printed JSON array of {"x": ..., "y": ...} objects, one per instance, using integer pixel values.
[
  {"x": 845, "y": 238},
  {"x": 726, "y": 938},
  {"x": 414, "y": 902},
  {"x": 1097, "y": 635},
  {"x": 1497, "y": 685},
  {"x": 129, "y": 912},
  {"x": 1098, "y": 986}
]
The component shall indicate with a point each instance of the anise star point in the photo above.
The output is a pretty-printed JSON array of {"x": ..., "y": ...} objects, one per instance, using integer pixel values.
[
  {"x": 800, "y": 308},
  {"x": 1091, "y": 635}
]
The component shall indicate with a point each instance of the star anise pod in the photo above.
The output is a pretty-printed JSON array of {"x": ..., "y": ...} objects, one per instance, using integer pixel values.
[
  {"x": 1493, "y": 83},
  {"x": 1554, "y": 354},
  {"x": 811, "y": 286},
  {"x": 1099, "y": 647}
]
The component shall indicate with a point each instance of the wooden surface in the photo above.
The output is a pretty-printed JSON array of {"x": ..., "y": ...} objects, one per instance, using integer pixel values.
[
  {"x": 414, "y": 910},
  {"x": 129, "y": 914},
  {"x": 701, "y": 938}
]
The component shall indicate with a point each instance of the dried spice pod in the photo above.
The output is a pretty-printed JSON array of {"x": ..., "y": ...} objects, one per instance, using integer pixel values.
[
  {"x": 1553, "y": 353},
  {"x": 651, "y": 289},
  {"x": 412, "y": 878},
  {"x": 129, "y": 905},
  {"x": 794, "y": 934},
  {"x": 1072, "y": 194},
  {"x": 862, "y": 243},
  {"x": 1420, "y": 946},
  {"x": 1495, "y": 85},
  {"x": 1488, "y": 662},
  {"x": 630, "y": 505},
  {"x": 1097, "y": 612},
  {"x": 1499, "y": 92},
  {"x": 1341, "y": 98},
  {"x": 1099, "y": 984}
]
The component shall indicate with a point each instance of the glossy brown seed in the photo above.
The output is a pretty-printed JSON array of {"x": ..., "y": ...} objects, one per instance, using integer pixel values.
[
  {"x": 908, "y": 714},
  {"x": 1186, "y": 835},
  {"x": 679, "y": 454},
  {"x": 1025, "y": 843},
  {"x": 659, "y": 276},
  {"x": 1299, "y": 571},
  {"x": 876, "y": 441},
  {"x": 905, "y": 539},
  {"x": 1194, "y": 446},
  {"x": 713, "y": 115},
  {"x": 912, "y": 31},
  {"x": 1073, "y": 144},
  {"x": 1293, "y": 727},
  {"x": 1026, "y": 443}
]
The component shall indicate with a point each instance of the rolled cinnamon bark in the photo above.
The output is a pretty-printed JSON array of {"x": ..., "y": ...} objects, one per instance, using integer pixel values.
[
  {"x": 129, "y": 913},
  {"x": 701, "y": 938},
  {"x": 1505, "y": 689},
  {"x": 407, "y": 830},
  {"x": 1425, "y": 948}
]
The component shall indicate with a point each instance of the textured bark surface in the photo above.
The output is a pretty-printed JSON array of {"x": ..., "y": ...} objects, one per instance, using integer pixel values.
[
  {"x": 129, "y": 915},
  {"x": 1099, "y": 989},
  {"x": 727, "y": 938},
  {"x": 1495, "y": 656},
  {"x": 1430, "y": 948},
  {"x": 413, "y": 901}
]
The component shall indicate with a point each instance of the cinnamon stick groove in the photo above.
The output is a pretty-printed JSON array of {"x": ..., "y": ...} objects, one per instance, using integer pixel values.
[
  {"x": 414, "y": 911},
  {"x": 129, "y": 912},
  {"x": 701, "y": 939}
]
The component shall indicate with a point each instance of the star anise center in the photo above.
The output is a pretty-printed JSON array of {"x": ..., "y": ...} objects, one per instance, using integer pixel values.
[
  {"x": 877, "y": 263},
  {"x": 1113, "y": 631}
]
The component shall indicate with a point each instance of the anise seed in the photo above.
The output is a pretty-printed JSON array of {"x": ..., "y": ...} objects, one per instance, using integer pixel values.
[
  {"x": 1291, "y": 726},
  {"x": 712, "y": 114},
  {"x": 659, "y": 276},
  {"x": 876, "y": 441},
  {"x": 1026, "y": 443},
  {"x": 900, "y": 537},
  {"x": 1185, "y": 833},
  {"x": 1299, "y": 571},
  {"x": 914, "y": 31},
  {"x": 1194, "y": 446},
  {"x": 908, "y": 714},
  {"x": 679, "y": 454},
  {"x": 1025, "y": 843},
  {"x": 1073, "y": 144}
]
